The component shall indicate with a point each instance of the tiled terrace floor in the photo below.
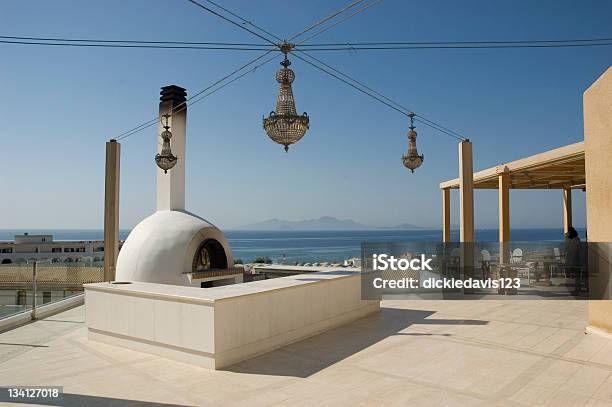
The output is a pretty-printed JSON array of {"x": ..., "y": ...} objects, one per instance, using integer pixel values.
[{"x": 428, "y": 353}]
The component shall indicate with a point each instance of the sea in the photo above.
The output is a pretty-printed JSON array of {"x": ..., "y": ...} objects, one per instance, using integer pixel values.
[{"x": 311, "y": 245}]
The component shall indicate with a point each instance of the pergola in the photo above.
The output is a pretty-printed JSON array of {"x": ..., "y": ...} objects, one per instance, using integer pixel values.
[{"x": 562, "y": 168}]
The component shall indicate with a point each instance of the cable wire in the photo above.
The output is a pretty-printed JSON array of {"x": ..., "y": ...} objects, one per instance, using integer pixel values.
[
  {"x": 376, "y": 95},
  {"x": 149, "y": 123},
  {"x": 233, "y": 80},
  {"x": 231, "y": 21},
  {"x": 69, "y": 42},
  {"x": 184, "y": 105},
  {"x": 244, "y": 20},
  {"x": 351, "y": 82},
  {"x": 457, "y": 42},
  {"x": 132, "y": 41},
  {"x": 340, "y": 21},
  {"x": 475, "y": 46},
  {"x": 318, "y": 23},
  {"x": 90, "y": 45}
]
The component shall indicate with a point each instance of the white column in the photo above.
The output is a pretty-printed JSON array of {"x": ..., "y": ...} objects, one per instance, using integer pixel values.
[{"x": 171, "y": 185}]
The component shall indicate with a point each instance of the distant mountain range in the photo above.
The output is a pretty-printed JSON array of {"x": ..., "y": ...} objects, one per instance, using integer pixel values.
[{"x": 323, "y": 223}]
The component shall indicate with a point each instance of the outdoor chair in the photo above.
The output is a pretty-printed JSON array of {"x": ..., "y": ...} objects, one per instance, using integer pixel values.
[
  {"x": 485, "y": 264},
  {"x": 558, "y": 263},
  {"x": 522, "y": 268}
]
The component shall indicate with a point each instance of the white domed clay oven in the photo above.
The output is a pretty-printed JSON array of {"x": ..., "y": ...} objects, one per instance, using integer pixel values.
[{"x": 173, "y": 246}]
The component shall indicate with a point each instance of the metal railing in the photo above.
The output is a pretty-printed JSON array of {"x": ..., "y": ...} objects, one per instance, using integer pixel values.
[{"x": 25, "y": 288}]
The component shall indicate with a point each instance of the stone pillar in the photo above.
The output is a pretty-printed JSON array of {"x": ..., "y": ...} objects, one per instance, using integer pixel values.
[
  {"x": 446, "y": 221},
  {"x": 466, "y": 192},
  {"x": 171, "y": 185},
  {"x": 598, "y": 150},
  {"x": 504, "y": 215},
  {"x": 567, "y": 209},
  {"x": 111, "y": 209}
]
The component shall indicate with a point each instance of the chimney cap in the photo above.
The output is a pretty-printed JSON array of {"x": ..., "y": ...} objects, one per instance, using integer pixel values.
[{"x": 173, "y": 93}]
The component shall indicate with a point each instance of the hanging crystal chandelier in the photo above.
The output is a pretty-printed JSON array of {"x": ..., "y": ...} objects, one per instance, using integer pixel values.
[
  {"x": 284, "y": 126},
  {"x": 412, "y": 160},
  {"x": 166, "y": 160}
]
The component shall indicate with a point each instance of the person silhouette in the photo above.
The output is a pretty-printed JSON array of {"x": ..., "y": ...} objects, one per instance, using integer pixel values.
[{"x": 573, "y": 258}]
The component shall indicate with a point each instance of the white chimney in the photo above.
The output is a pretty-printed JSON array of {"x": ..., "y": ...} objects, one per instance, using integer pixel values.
[{"x": 171, "y": 185}]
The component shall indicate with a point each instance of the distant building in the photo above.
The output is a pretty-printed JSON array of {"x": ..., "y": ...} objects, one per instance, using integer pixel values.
[{"x": 28, "y": 248}]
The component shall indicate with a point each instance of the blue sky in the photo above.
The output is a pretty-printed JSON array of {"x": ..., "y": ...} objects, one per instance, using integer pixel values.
[{"x": 60, "y": 105}]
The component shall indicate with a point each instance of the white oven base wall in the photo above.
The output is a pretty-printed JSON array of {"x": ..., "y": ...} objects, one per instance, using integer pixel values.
[{"x": 221, "y": 326}]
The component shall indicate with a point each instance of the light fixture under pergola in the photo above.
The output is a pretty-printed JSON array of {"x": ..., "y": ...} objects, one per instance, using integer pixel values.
[{"x": 284, "y": 126}]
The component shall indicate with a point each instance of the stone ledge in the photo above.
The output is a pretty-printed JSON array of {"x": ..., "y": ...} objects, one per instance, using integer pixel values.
[{"x": 220, "y": 326}]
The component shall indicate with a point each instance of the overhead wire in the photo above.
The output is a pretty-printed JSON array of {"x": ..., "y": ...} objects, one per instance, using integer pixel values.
[
  {"x": 375, "y": 95},
  {"x": 244, "y": 20},
  {"x": 60, "y": 41},
  {"x": 51, "y": 41},
  {"x": 369, "y": 91},
  {"x": 253, "y": 69},
  {"x": 311, "y": 47},
  {"x": 182, "y": 106},
  {"x": 457, "y": 42},
  {"x": 91, "y": 45},
  {"x": 153, "y": 121},
  {"x": 131, "y": 41},
  {"x": 149, "y": 123},
  {"x": 231, "y": 21},
  {"x": 324, "y": 20},
  {"x": 360, "y": 86},
  {"x": 352, "y": 47},
  {"x": 340, "y": 21}
]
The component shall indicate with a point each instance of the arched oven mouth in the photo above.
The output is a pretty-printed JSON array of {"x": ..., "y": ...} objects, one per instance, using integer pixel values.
[{"x": 210, "y": 256}]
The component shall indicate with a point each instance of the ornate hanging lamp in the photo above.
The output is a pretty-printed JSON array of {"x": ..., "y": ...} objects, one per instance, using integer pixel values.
[
  {"x": 165, "y": 159},
  {"x": 284, "y": 126},
  {"x": 412, "y": 160}
]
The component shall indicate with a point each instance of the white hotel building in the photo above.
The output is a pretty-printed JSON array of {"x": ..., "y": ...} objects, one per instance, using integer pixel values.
[{"x": 28, "y": 248}]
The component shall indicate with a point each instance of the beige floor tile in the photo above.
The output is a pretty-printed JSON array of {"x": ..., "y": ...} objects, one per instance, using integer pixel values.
[
  {"x": 586, "y": 381},
  {"x": 566, "y": 399},
  {"x": 604, "y": 355},
  {"x": 604, "y": 392},
  {"x": 588, "y": 347},
  {"x": 421, "y": 353}
]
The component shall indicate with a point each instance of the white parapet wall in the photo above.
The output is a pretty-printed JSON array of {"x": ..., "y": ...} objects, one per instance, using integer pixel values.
[{"x": 220, "y": 326}]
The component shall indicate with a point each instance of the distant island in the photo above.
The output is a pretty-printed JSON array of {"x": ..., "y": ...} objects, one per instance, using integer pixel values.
[{"x": 322, "y": 223}]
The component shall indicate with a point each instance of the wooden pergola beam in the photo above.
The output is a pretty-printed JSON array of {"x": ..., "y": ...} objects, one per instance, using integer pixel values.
[
  {"x": 567, "y": 158},
  {"x": 567, "y": 209},
  {"x": 446, "y": 219},
  {"x": 504, "y": 215}
]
